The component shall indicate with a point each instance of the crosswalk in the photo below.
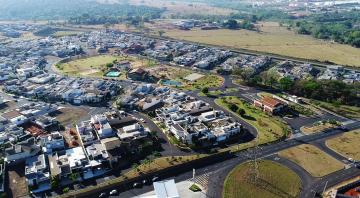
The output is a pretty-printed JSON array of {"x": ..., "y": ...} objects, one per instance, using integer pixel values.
[{"x": 202, "y": 180}]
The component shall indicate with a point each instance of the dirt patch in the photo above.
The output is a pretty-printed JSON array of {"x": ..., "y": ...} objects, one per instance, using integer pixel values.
[
  {"x": 17, "y": 182},
  {"x": 69, "y": 116}
]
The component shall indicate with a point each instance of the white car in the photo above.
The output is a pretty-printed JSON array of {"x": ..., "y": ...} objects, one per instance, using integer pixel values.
[{"x": 113, "y": 192}]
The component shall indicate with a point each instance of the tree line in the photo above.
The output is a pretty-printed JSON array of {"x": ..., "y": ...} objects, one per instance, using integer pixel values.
[
  {"x": 333, "y": 91},
  {"x": 77, "y": 11}
]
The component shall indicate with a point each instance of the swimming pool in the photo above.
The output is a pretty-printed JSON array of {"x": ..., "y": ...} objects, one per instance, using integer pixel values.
[
  {"x": 171, "y": 83},
  {"x": 113, "y": 74}
]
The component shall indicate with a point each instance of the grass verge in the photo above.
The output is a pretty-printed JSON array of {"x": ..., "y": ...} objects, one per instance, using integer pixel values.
[{"x": 195, "y": 188}]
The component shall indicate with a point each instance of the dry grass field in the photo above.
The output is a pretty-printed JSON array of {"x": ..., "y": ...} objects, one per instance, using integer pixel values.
[
  {"x": 276, "y": 40},
  {"x": 312, "y": 159},
  {"x": 347, "y": 144},
  {"x": 95, "y": 66},
  {"x": 68, "y": 116},
  {"x": 274, "y": 180},
  {"x": 317, "y": 128}
]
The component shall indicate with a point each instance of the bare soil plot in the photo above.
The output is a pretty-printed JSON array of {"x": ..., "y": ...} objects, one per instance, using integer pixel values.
[
  {"x": 312, "y": 159},
  {"x": 68, "y": 116},
  {"x": 347, "y": 144},
  {"x": 17, "y": 183},
  {"x": 317, "y": 128}
]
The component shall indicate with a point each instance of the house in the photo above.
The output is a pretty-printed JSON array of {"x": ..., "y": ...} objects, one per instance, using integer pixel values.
[
  {"x": 52, "y": 142},
  {"x": 64, "y": 163},
  {"x": 102, "y": 126},
  {"x": 87, "y": 133},
  {"x": 137, "y": 74},
  {"x": 21, "y": 151},
  {"x": 37, "y": 173},
  {"x": 270, "y": 105},
  {"x": 150, "y": 103},
  {"x": 131, "y": 132}
]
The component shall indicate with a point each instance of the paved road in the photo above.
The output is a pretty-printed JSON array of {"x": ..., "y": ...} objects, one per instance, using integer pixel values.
[
  {"x": 322, "y": 145},
  {"x": 306, "y": 178},
  {"x": 218, "y": 171}
]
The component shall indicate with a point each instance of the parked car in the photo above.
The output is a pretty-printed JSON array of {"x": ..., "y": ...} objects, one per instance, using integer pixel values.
[
  {"x": 136, "y": 185},
  {"x": 113, "y": 192},
  {"x": 154, "y": 179},
  {"x": 145, "y": 182}
]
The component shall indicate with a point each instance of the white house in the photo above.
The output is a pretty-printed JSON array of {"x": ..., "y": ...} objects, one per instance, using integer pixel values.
[{"x": 37, "y": 173}]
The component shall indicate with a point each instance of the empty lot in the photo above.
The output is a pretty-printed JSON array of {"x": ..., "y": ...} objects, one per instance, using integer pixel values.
[
  {"x": 312, "y": 159},
  {"x": 347, "y": 144},
  {"x": 276, "y": 40}
]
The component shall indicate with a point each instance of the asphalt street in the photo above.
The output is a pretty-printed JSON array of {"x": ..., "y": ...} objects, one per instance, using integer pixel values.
[{"x": 218, "y": 171}]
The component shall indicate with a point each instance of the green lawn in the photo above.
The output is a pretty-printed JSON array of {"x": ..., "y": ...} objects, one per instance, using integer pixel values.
[
  {"x": 269, "y": 127},
  {"x": 274, "y": 180}
]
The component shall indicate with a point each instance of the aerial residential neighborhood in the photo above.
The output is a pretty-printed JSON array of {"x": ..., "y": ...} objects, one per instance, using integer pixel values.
[{"x": 179, "y": 99}]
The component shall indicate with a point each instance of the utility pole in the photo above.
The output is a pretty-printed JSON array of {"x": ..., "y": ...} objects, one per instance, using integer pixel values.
[
  {"x": 325, "y": 187},
  {"x": 253, "y": 173}
]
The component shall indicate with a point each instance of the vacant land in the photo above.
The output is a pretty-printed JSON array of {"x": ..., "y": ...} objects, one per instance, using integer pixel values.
[
  {"x": 269, "y": 128},
  {"x": 68, "y": 116},
  {"x": 274, "y": 180},
  {"x": 312, "y": 159},
  {"x": 344, "y": 110},
  {"x": 66, "y": 33},
  {"x": 168, "y": 72},
  {"x": 17, "y": 182},
  {"x": 95, "y": 66},
  {"x": 91, "y": 66},
  {"x": 208, "y": 81},
  {"x": 347, "y": 144},
  {"x": 276, "y": 40},
  {"x": 319, "y": 127}
]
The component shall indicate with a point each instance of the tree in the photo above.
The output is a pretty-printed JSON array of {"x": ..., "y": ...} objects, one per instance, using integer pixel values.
[
  {"x": 245, "y": 73},
  {"x": 233, "y": 107},
  {"x": 55, "y": 182},
  {"x": 286, "y": 83},
  {"x": 231, "y": 24},
  {"x": 241, "y": 112},
  {"x": 109, "y": 65},
  {"x": 161, "y": 33},
  {"x": 107, "y": 25},
  {"x": 205, "y": 90}
]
